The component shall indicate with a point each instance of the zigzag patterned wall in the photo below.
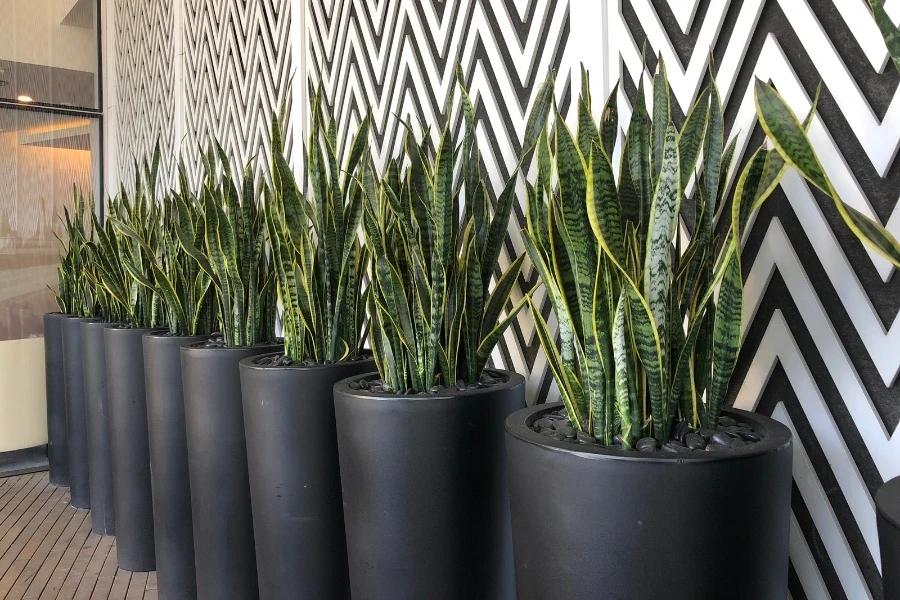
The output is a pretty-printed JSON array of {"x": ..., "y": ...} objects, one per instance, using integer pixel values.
[
  {"x": 235, "y": 68},
  {"x": 145, "y": 84},
  {"x": 820, "y": 351},
  {"x": 237, "y": 71}
]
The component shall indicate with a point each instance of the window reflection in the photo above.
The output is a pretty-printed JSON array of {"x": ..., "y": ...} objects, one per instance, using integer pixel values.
[
  {"x": 48, "y": 51},
  {"x": 41, "y": 157}
]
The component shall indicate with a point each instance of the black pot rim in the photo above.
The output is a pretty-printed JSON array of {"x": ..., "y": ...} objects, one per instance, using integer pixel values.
[
  {"x": 140, "y": 330},
  {"x": 513, "y": 380},
  {"x": 250, "y": 363},
  {"x": 100, "y": 321},
  {"x": 197, "y": 348},
  {"x": 777, "y": 438},
  {"x": 887, "y": 501},
  {"x": 165, "y": 335}
]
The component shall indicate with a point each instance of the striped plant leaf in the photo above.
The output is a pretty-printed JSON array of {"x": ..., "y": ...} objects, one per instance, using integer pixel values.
[
  {"x": 626, "y": 391},
  {"x": 784, "y": 129},
  {"x": 888, "y": 30},
  {"x": 726, "y": 338}
]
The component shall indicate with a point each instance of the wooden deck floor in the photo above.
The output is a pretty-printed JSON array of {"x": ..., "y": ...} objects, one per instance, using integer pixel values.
[{"x": 48, "y": 552}]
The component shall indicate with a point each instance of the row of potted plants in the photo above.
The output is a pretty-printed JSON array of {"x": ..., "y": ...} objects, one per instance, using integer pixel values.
[{"x": 365, "y": 456}]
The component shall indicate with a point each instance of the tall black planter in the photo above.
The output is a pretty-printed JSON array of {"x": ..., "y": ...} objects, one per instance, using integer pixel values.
[
  {"x": 76, "y": 414},
  {"x": 99, "y": 444},
  {"x": 131, "y": 448},
  {"x": 176, "y": 575},
  {"x": 225, "y": 554},
  {"x": 295, "y": 483},
  {"x": 887, "y": 504},
  {"x": 627, "y": 525},
  {"x": 426, "y": 502},
  {"x": 57, "y": 436}
]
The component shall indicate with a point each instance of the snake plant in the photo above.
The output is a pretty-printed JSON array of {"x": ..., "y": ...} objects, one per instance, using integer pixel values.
[
  {"x": 649, "y": 332},
  {"x": 124, "y": 248},
  {"x": 318, "y": 260},
  {"x": 435, "y": 319},
  {"x": 73, "y": 293},
  {"x": 158, "y": 262},
  {"x": 792, "y": 144},
  {"x": 229, "y": 245}
]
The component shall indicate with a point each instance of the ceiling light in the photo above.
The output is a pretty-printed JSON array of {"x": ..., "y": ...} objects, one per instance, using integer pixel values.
[{"x": 25, "y": 99}]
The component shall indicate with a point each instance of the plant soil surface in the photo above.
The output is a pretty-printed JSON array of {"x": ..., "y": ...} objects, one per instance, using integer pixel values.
[
  {"x": 729, "y": 435},
  {"x": 282, "y": 360},
  {"x": 488, "y": 379},
  {"x": 216, "y": 341}
]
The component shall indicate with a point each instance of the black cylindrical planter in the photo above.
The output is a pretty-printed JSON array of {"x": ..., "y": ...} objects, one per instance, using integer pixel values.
[
  {"x": 175, "y": 573},
  {"x": 295, "y": 482},
  {"x": 426, "y": 501},
  {"x": 76, "y": 414},
  {"x": 130, "y": 447},
  {"x": 626, "y": 525},
  {"x": 99, "y": 444},
  {"x": 225, "y": 554},
  {"x": 887, "y": 505},
  {"x": 57, "y": 436}
]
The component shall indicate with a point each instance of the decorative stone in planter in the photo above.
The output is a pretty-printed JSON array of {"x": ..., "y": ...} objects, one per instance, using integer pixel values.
[
  {"x": 76, "y": 414},
  {"x": 99, "y": 442},
  {"x": 130, "y": 447},
  {"x": 887, "y": 504},
  {"x": 589, "y": 520},
  {"x": 225, "y": 554},
  {"x": 57, "y": 436},
  {"x": 173, "y": 530},
  {"x": 295, "y": 483},
  {"x": 426, "y": 502}
]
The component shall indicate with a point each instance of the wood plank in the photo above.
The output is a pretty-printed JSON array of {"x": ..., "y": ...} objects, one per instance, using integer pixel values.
[
  {"x": 42, "y": 575},
  {"x": 137, "y": 586},
  {"x": 20, "y": 532},
  {"x": 120, "y": 585},
  {"x": 67, "y": 561},
  {"x": 107, "y": 575},
  {"x": 8, "y": 513},
  {"x": 92, "y": 571},
  {"x": 151, "y": 594},
  {"x": 5, "y": 485},
  {"x": 151, "y": 581},
  {"x": 15, "y": 581},
  {"x": 73, "y": 579},
  {"x": 56, "y": 553}
]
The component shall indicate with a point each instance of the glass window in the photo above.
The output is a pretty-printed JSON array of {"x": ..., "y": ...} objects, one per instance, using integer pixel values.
[
  {"x": 49, "y": 52},
  {"x": 42, "y": 155}
]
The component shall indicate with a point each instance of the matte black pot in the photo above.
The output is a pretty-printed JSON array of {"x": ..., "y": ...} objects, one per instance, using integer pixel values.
[
  {"x": 76, "y": 414},
  {"x": 426, "y": 502},
  {"x": 887, "y": 505},
  {"x": 225, "y": 554},
  {"x": 175, "y": 573},
  {"x": 131, "y": 448},
  {"x": 103, "y": 520},
  {"x": 627, "y": 525},
  {"x": 295, "y": 482},
  {"x": 57, "y": 436}
]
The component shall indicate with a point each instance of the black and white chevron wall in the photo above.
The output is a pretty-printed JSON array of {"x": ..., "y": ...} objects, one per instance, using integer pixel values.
[
  {"x": 189, "y": 71},
  {"x": 237, "y": 71},
  {"x": 144, "y": 82},
  {"x": 820, "y": 351}
]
